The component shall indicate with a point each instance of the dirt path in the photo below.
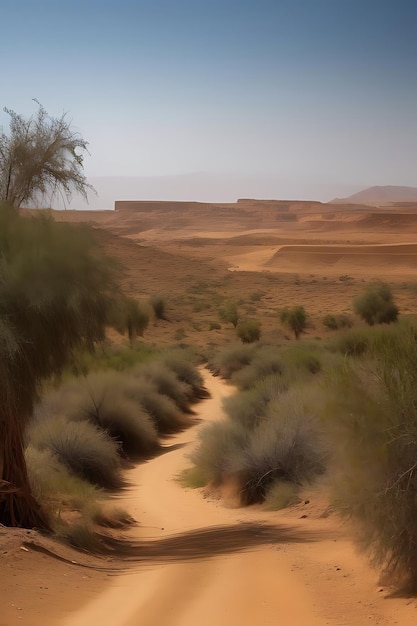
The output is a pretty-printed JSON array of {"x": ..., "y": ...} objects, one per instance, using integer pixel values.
[{"x": 211, "y": 565}]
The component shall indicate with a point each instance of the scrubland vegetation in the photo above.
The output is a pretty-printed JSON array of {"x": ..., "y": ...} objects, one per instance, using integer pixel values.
[
  {"x": 344, "y": 409},
  {"x": 85, "y": 432}
]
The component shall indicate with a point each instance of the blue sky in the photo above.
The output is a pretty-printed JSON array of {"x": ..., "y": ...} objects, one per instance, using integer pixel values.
[{"x": 306, "y": 92}]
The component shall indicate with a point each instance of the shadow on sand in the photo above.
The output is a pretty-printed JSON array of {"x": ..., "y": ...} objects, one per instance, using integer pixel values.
[{"x": 192, "y": 545}]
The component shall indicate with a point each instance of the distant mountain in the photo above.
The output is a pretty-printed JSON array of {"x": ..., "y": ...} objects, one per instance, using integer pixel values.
[{"x": 380, "y": 196}]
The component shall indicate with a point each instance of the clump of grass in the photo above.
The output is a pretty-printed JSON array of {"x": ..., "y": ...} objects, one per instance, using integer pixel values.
[{"x": 85, "y": 450}]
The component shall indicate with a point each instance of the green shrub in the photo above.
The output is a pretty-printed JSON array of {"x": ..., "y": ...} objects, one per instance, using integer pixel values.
[
  {"x": 85, "y": 450},
  {"x": 295, "y": 318},
  {"x": 248, "y": 330},
  {"x": 376, "y": 305}
]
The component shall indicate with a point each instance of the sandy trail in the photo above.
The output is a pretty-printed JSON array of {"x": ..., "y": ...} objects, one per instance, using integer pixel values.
[{"x": 298, "y": 572}]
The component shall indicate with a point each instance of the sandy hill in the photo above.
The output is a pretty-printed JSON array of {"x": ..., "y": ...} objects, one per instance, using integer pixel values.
[{"x": 381, "y": 196}]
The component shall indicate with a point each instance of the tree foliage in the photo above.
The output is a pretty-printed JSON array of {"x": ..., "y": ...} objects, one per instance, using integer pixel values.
[
  {"x": 55, "y": 293},
  {"x": 41, "y": 156},
  {"x": 376, "y": 305}
]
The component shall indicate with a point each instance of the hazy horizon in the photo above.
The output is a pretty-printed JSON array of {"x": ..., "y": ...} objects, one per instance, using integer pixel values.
[{"x": 306, "y": 100}]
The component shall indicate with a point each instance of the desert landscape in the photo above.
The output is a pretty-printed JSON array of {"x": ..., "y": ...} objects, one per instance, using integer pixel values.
[{"x": 204, "y": 558}]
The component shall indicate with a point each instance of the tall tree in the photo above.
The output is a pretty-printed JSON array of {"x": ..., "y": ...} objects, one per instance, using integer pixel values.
[
  {"x": 56, "y": 291},
  {"x": 41, "y": 156}
]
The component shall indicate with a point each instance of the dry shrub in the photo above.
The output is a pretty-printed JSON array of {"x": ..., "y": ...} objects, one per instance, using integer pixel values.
[
  {"x": 231, "y": 360},
  {"x": 265, "y": 361},
  {"x": 164, "y": 412},
  {"x": 286, "y": 445},
  {"x": 375, "y": 437},
  {"x": 167, "y": 384},
  {"x": 184, "y": 365},
  {"x": 249, "y": 406},
  {"x": 54, "y": 485},
  {"x": 84, "y": 449}
]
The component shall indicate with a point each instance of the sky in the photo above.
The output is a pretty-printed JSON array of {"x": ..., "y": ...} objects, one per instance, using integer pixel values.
[{"x": 309, "y": 96}]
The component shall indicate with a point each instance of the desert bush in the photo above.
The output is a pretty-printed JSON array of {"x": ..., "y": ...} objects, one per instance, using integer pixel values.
[
  {"x": 102, "y": 399},
  {"x": 375, "y": 439},
  {"x": 287, "y": 446},
  {"x": 85, "y": 450},
  {"x": 301, "y": 359},
  {"x": 230, "y": 313},
  {"x": 54, "y": 485},
  {"x": 250, "y": 405},
  {"x": 228, "y": 361},
  {"x": 214, "y": 326},
  {"x": 284, "y": 444},
  {"x": 164, "y": 412},
  {"x": 376, "y": 305},
  {"x": 184, "y": 365},
  {"x": 219, "y": 446},
  {"x": 265, "y": 361},
  {"x": 248, "y": 330},
  {"x": 159, "y": 306},
  {"x": 168, "y": 384},
  {"x": 334, "y": 322},
  {"x": 295, "y": 319}
]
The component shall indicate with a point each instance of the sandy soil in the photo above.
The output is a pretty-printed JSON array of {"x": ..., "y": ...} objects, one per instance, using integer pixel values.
[{"x": 211, "y": 564}]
